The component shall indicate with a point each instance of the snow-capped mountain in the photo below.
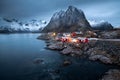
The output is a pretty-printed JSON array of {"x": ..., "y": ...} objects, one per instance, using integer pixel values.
[
  {"x": 72, "y": 19},
  {"x": 12, "y": 25}
]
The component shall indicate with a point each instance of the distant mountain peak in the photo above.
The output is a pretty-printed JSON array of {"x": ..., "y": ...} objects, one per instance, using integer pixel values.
[
  {"x": 71, "y": 8},
  {"x": 73, "y": 12},
  {"x": 103, "y": 25},
  {"x": 74, "y": 9}
]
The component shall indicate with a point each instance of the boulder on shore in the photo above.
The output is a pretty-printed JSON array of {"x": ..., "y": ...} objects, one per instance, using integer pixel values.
[
  {"x": 102, "y": 58},
  {"x": 67, "y": 50},
  {"x": 112, "y": 75},
  {"x": 67, "y": 62},
  {"x": 56, "y": 46},
  {"x": 97, "y": 54},
  {"x": 44, "y": 36},
  {"x": 70, "y": 50},
  {"x": 37, "y": 61}
]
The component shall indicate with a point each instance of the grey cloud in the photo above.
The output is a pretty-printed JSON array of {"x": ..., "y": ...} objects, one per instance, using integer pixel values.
[{"x": 94, "y": 9}]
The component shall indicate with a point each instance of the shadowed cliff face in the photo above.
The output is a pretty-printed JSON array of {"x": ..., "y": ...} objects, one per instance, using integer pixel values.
[{"x": 70, "y": 20}]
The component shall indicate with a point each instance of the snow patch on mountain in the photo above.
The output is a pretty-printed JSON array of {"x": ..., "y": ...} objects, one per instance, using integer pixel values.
[
  {"x": 58, "y": 14},
  {"x": 93, "y": 22}
]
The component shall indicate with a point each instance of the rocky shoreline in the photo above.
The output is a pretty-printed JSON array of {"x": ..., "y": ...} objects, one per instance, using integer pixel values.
[{"x": 107, "y": 52}]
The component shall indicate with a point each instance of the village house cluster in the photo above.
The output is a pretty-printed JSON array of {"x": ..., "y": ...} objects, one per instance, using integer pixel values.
[{"x": 74, "y": 37}]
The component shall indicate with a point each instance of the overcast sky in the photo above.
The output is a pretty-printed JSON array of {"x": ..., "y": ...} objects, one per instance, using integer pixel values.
[{"x": 97, "y": 10}]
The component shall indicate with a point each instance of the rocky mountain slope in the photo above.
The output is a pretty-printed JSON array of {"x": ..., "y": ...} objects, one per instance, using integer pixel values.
[{"x": 70, "y": 20}]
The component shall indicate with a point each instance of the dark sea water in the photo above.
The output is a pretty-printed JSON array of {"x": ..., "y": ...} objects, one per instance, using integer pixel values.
[{"x": 19, "y": 51}]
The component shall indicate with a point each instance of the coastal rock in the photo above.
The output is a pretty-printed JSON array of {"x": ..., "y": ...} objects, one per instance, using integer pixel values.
[
  {"x": 77, "y": 52},
  {"x": 67, "y": 62},
  {"x": 67, "y": 50},
  {"x": 56, "y": 46},
  {"x": 112, "y": 75},
  {"x": 44, "y": 36},
  {"x": 102, "y": 58},
  {"x": 97, "y": 54},
  {"x": 97, "y": 51},
  {"x": 71, "y": 51},
  {"x": 37, "y": 61}
]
